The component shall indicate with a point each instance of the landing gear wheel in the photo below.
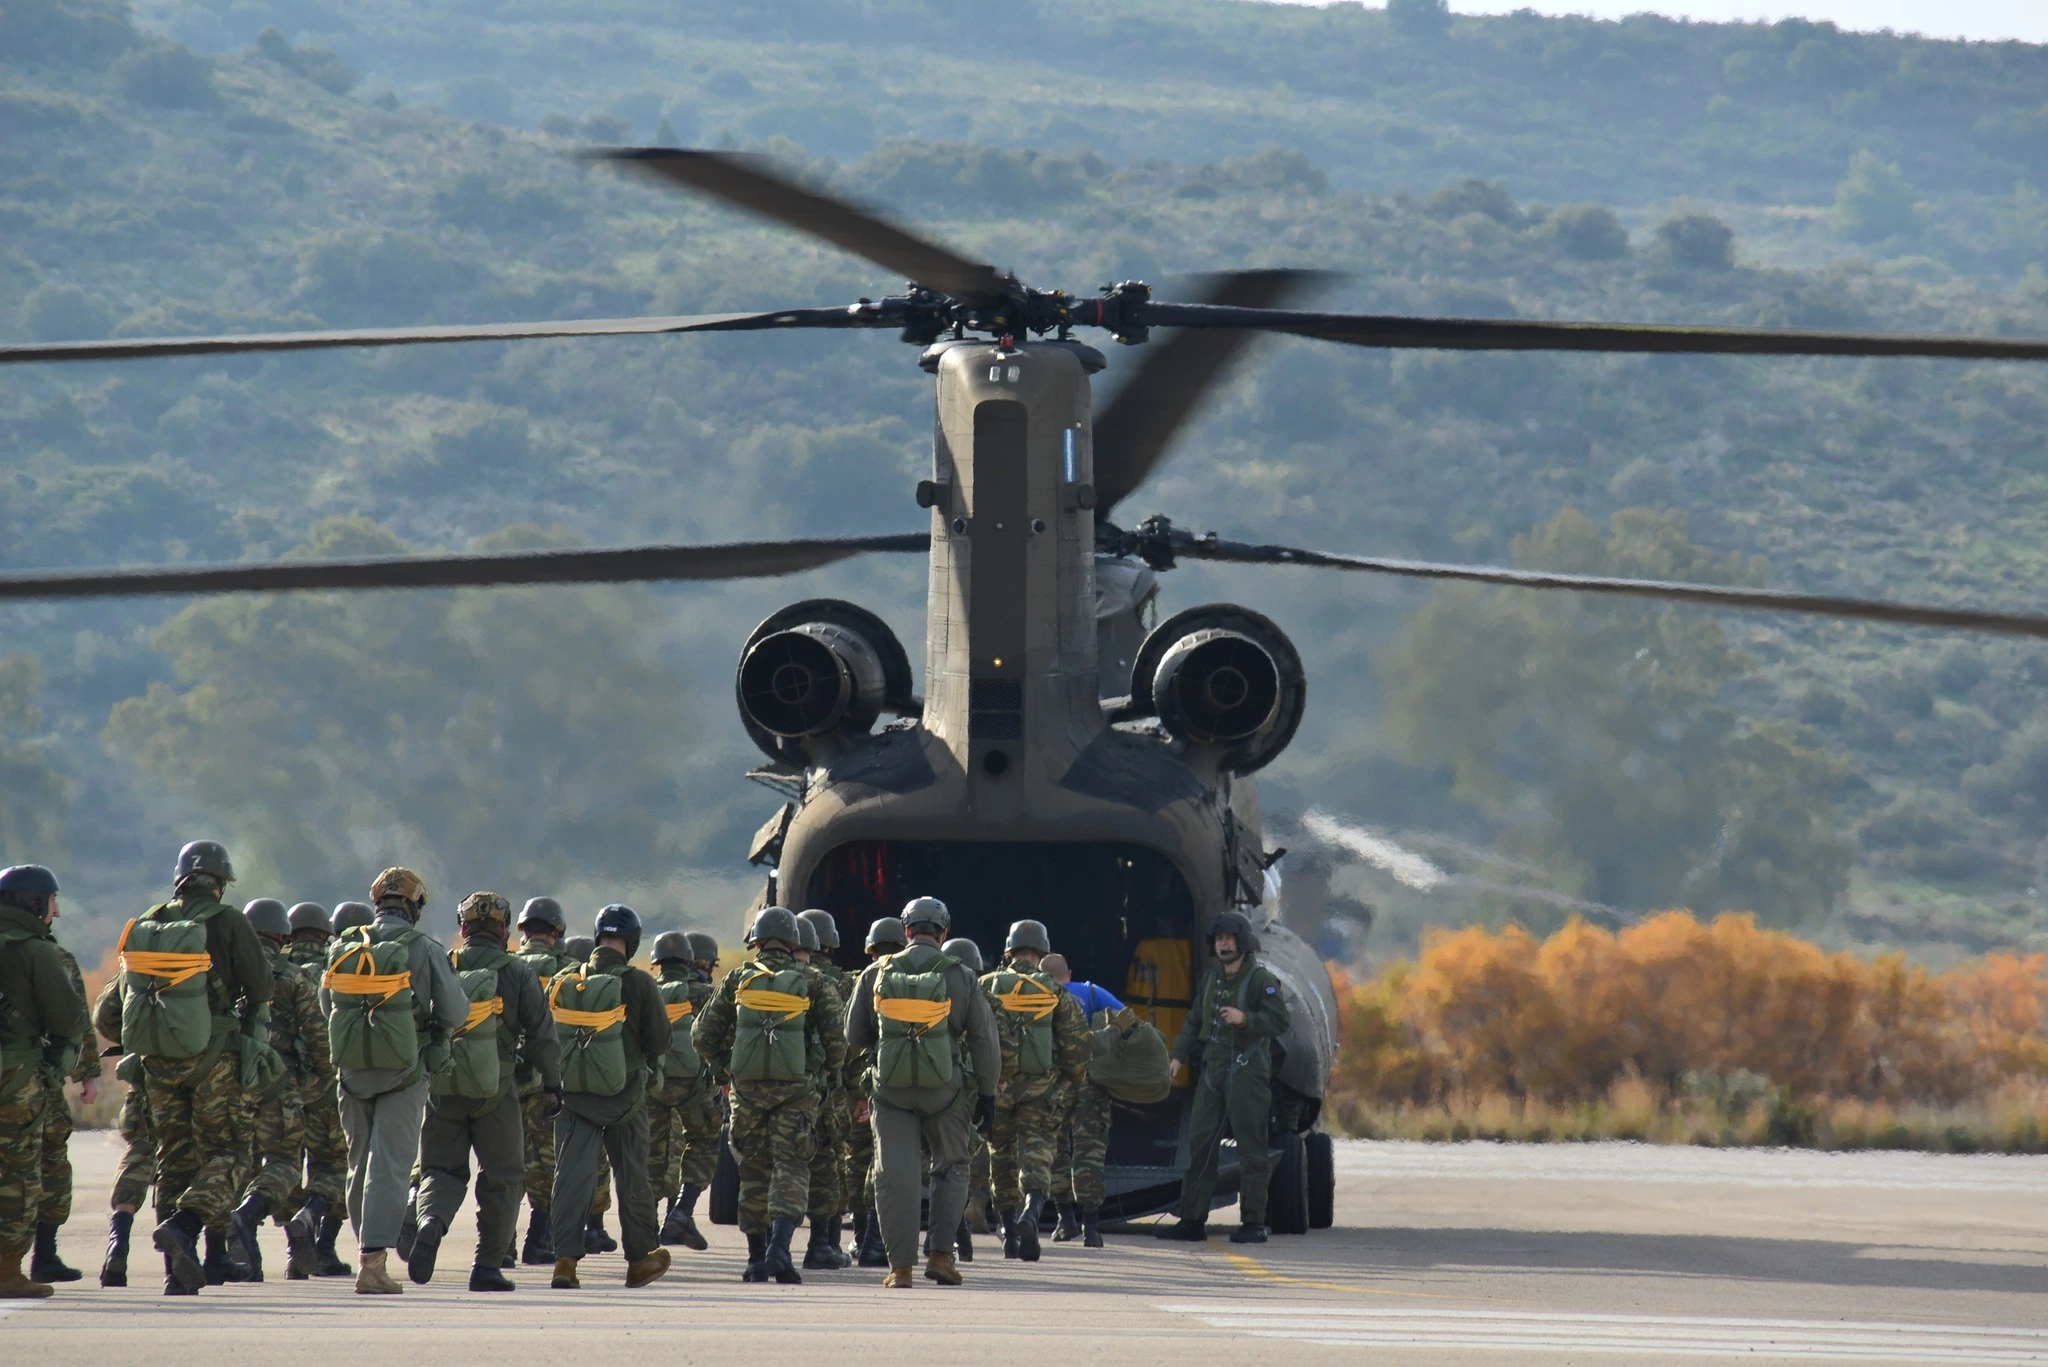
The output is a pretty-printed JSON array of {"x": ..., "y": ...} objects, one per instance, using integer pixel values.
[
  {"x": 724, "y": 1196},
  {"x": 1287, "y": 1196},
  {"x": 1322, "y": 1180}
]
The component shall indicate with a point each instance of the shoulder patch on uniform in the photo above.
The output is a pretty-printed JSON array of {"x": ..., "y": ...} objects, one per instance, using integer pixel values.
[{"x": 1270, "y": 989}]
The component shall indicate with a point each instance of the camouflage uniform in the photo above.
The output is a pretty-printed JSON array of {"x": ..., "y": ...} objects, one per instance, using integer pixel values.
[
  {"x": 835, "y": 1114},
  {"x": 137, "y": 1172},
  {"x": 684, "y": 1115},
  {"x": 775, "y": 1124},
  {"x": 43, "y": 1024},
  {"x": 1031, "y": 1107},
  {"x": 56, "y": 1202},
  {"x": 299, "y": 1034},
  {"x": 1083, "y": 1149},
  {"x": 196, "y": 1105},
  {"x": 546, "y": 961},
  {"x": 326, "y": 1144}
]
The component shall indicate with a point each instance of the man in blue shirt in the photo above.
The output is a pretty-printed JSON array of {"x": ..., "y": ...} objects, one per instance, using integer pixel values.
[{"x": 1077, "y": 1182}]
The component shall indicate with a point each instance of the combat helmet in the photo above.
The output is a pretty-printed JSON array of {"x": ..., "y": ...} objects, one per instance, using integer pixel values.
[
  {"x": 353, "y": 915},
  {"x": 967, "y": 952},
  {"x": 671, "y": 947},
  {"x": 28, "y": 886},
  {"x": 1029, "y": 935},
  {"x": 703, "y": 947},
  {"x": 807, "y": 937},
  {"x": 927, "y": 911},
  {"x": 619, "y": 921},
  {"x": 579, "y": 948},
  {"x": 203, "y": 859},
  {"x": 1234, "y": 923},
  {"x": 267, "y": 916},
  {"x": 886, "y": 936},
  {"x": 402, "y": 885},
  {"x": 484, "y": 912},
  {"x": 310, "y": 916},
  {"x": 822, "y": 922},
  {"x": 546, "y": 912},
  {"x": 775, "y": 923}
]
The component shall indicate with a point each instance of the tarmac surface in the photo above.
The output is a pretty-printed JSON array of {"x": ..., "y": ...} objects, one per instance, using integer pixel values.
[{"x": 1465, "y": 1253}]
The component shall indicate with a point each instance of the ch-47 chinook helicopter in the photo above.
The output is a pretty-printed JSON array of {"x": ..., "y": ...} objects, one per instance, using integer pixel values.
[{"x": 1062, "y": 762}]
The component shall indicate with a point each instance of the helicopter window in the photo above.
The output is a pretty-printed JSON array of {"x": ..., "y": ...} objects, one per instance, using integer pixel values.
[
  {"x": 1016, "y": 374},
  {"x": 1072, "y": 464}
]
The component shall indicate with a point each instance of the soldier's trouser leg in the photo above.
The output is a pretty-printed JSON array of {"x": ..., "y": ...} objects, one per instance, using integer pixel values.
[
  {"x": 383, "y": 1142},
  {"x": 1063, "y": 1159},
  {"x": 823, "y": 1199},
  {"x": 625, "y": 1144},
  {"x": 1038, "y": 1123},
  {"x": 497, "y": 1139},
  {"x": 601, "y": 1199},
  {"x": 773, "y": 1147},
  {"x": 701, "y": 1121},
  {"x": 899, "y": 1171},
  {"x": 201, "y": 1122},
  {"x": 664, "y": 1135},
  {"x": 540, "y": 1151},
  {"x": 856, "y": 1161},
  {"x": 1250, "y": 1103},
  {"x": 326, "y": 1144},
  {"x": 55, "y": 1207},
  {"x": 578, "y": 1145},
  {"x": 137, "y": 1173},
  {"x": 22, "y": 1117},
  {"x": 1088, "y": 1140},
  {"x": 280, "y": 1139}
]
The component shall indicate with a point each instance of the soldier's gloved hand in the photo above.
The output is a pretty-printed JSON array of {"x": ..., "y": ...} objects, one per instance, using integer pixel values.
[
  {"x": 552, "y": 1107},
  {"x": 984, "y": 1113}
]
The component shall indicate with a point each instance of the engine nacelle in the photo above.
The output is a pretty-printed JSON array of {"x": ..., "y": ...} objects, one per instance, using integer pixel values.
[
  {"x": 1224, "y": 679},
  {"x": 818, "y": 670}
]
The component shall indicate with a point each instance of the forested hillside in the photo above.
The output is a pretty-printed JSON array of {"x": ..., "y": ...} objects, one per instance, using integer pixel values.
[{"x": 307, "y": 165}]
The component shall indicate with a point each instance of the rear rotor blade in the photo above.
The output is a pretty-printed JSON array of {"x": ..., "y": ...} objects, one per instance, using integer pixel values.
[
  {"x": 1137, "y": 425},
  {"x": 136, "y": 348},
  {"x": 1707, "y": 595},
  {"x": 753, "y": 184},
  {"x": 1485, "y": 334},
  {"x": 633, "y": 564}
]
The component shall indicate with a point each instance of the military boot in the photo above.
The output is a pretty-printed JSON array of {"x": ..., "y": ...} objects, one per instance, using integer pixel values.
[
  {"x": 1027, "y": 1228},
  {"x": 872, "y": 1251},
  {"x": 1069, "y": 1227},
  {"x": 651, "y": 1268},
  {"x": 1183, "y": 1231},
  {"x": 178, "y": 1240},
  {"x": 328, "y": 1263},
  {"x": 1253, "y": 1233},
  {"x": 539, "y": 1249},
  {"x": 776, "y": 1262},
  {"x": 939, "y": 1267},
  {"x": 565, "y": 1275},
  {"x": 671, "y": 1227},
  {"x": 1009, "y": 1220},
  {"x": 219, "y": 1271},
  {"x": 963, "y": 1242},
  {"x": 597, "y": 1239},
  {"x": 1091, "y": 1227},
  {"x": 15, "y": 1286},
  {"x": 901, "y": 1278},
  {"x": 685, "y": 1216},
  {"x": 375, "y": 1278},
  {"x": 978, "y": 1208},
  {"x": 44, "y": 1265},
  {"x": 426, "y": 1247},
  {"x": 301, "y": 1236},
  {"x": 249, "y": 1217},
  {"x": 483, "y": 1278},
  {"x": 175, "y": 1285},
  {"x": 757, "y": 1253},
  {"x": 409, "y": 1227},
  {"x": 506, "y": 1259},
  {"x": 823, "y": 1254},
  {"x": 114, "y": 1267}
]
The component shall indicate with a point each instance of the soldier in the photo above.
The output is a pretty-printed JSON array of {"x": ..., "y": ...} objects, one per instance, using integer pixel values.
[
  {"x": 311, "y": 930},
  {"x": 885, "y": 937},
  {"x": 1078, "y": 1186},
  {"x": 541, "y": 927},
  {"x": 613, "y": 1025},
  {"x": 392, "y": 1000},
  {"x": 195, "y": 1005},
  {"x": 1045, "y": 1052},
  {"x": 137, "y": 1170},
  {"x": 312, "y": 1230},
  {"x": 835, "y": 1114},
  {"x": 55, "y": 1210},
  {"x": 298, "y": 1032},
  {"x": 351, "y": 916},
  {"x": 685, "y": 1105},
  {"x": 43, "y": 1025},
  {"x": 579, "y": 948},
  {"x": 981, "y": 1202},
  {"x": 473, "y": 1104},
  {"x": 775, "y": 1028},
  {"x": 914, "y": 1008},
  {"x": 1228, "y": 1040}
]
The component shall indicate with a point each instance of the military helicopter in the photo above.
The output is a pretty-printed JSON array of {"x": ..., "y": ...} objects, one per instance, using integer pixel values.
[{"x": 1063, "y": 761}]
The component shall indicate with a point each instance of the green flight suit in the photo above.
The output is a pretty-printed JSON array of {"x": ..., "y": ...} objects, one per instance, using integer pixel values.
[
  {"x": 455, "y": 1126},
  {"x": 775, "y": 1124},
  {"x": 1234, "y": 1086},
  {"x": 43, "y": 1025},
  {"x": 592, "y": 1127}
]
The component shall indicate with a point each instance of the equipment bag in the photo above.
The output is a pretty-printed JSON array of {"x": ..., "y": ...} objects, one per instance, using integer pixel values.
[
  {"x": 1129, "y": 1057},
  {"x": 682, "y": 1063},
  {"x": 474, "y": 1070},
  {"x": 370, "y": 1017},
  {"x": 1025, "y": 1003},
  {"x": 770, "y": 1025},
  {"x": 164, "y": 968},
  {"x": 915, "y": 1012},
  {"x": 590, "y": 1014}
]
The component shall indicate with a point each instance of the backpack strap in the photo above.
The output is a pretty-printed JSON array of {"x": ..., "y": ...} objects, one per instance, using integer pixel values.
[
  {"x": 1027, "y": 997},
  {"x": 364, "y": 980},
  {"x": 582, "y": 1020},
  {"x": 173, "y": 969},
  {"x": 768, "y": 1001}
]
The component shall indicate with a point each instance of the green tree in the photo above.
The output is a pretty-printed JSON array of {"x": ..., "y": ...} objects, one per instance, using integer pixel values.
[
  {"x": 1875, "y": 202},
  {"x": 509, "y": 737},
  {"x": 35, "y": 796},
  {"x": 1596, "y": 735}
]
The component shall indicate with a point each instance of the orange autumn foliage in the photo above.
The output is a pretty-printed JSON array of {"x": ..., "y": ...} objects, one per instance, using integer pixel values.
[{"x": 1564, "y": 1018}]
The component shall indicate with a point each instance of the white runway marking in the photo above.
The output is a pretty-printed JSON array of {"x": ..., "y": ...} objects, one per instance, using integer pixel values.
[
  {"x": 1680, "y": 1163},
  {"x": 1519, "y": 1332}
]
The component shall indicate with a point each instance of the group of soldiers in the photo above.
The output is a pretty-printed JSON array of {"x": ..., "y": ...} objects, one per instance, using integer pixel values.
[{"x": 286, "y": 1066}]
